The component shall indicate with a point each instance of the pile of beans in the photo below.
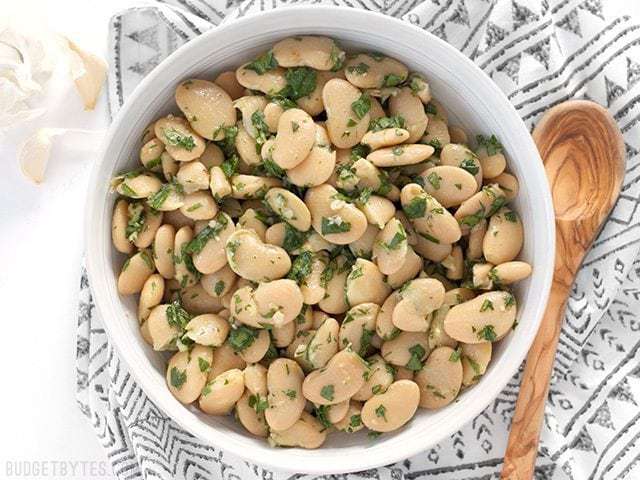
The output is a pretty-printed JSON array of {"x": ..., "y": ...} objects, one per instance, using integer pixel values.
[{"x": 316, "y": 246}]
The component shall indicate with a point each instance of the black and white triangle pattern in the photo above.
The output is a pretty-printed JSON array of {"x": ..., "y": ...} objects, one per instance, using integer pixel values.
[{"x": 540, "y": 53}]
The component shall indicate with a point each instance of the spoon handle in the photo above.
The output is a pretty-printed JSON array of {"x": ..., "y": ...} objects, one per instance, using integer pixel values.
[{"x": 522, "y": 448}]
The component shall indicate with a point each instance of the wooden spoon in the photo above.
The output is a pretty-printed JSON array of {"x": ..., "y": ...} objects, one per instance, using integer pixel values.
[{"x": 583, "y": 154}]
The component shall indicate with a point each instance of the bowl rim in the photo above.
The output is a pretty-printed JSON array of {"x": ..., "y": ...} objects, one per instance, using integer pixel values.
[{"x": 296, "y": 460}]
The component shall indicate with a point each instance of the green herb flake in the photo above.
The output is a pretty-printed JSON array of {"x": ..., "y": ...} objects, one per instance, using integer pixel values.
[
  {"x": 330, "y": 225},
  {"x": 177, "y": 377},
  {"x": 491, "y": 144},
  {"x": 203, "y": 365},
  {"x": 392, "y": 80},
  {"x": 177, "y": 316},
  {"x": 210, "y": 232},
  {"x": 262, "y": 129},
  {"x": 358, "y": 69},
  {"x": 455, "y": 355},
  {"x": 397, "y": 151},
  {"x": 486, "y": 305},
  {"x": 301, "y": 81},
  {"x": 431, "y": 109},
  {"x": 488, "y": 333},
  {"x": 336, "y": 57},
  {"x": 219, "y": 287},
  {"x": 376, "y": 389},
  {"x": 381, "y": 411},
  {"x": 322, "y": 414},
  {"x": 416, "y": 208},
  {"x": 327, "y": 392},
  {"x": 511, "y": 217},
  {"x": 434, "y": 179},
  {"x": 355, "y": 421},
  {"x": 509, "y": 300},
  {"x": 263, "y": 63},
  {"x": 194, "y": 207},
  {"x": 417, "y": 353},
  {"x": 293, "y": 238},
  {"x": 257, "y": 403},
  {"x": 291, "y": 394},
  {"x": 470, "y": 165},
  {"x": 359, "y": 151},
  {"x": 361, "y": 106},
  {"x": 383, "y": 123},
  {"x": 295, "y": 126},
  {"x": 242, "y": 338},
  {"x": 431, "y": 238},
  {"x": 473, "y": 219},
  {"x": 177, "y": 139},
  {"x": 301, "y": 268},
  {"x": 136, "y": 221}
]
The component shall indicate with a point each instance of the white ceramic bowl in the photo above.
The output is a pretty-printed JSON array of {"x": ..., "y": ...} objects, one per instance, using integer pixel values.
[{"x": 472, "y": 101}]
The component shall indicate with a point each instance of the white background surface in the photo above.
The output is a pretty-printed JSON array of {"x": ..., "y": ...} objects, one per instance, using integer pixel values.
[{"x": 40, "y": 252}]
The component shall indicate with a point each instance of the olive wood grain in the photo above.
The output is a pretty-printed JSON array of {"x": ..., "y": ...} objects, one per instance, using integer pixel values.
[{"x": 583, "y": 154}]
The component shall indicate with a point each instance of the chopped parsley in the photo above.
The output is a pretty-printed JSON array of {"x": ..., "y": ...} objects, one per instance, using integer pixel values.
[
  {"x": 177, "y": 139},
  {"x": 455, "y": 355},
  {"x": 358, "y": 69},
  {"x": 392, "y": 80},
  {"x": 381, "y": 411},
  {"x": 431, "y": 238},
  {"x": 301, "y": 81},
  {"x": 361, "y": 106},
  {"x": 509, "y": 300},
  {"x": 470, "y": 166},
  {"x": 301, "y": 267},
  {"x": 284, "y": 102},
  {"x": 431, "y": 109},
  {"x": 322, "y": 412},
  {"x": 156, "y": 200},
  {"x": 434, "y": 179},
  {"x": 242, "y": 337},
  {"x": 290, "y": 393},
  {"x": 136, "y": 221},
  {"x": 331, "y": 225},
  {"x": 511, "y": 217},
  {"x": 263, "y": 63},
  {"x": 203, "y": 365},
  {"x": 177, "y": 377},
  {"x": 177, "y": 316},
  {"x": 415, "y": 362},
  {"x": 359, "y": 151},
  {"x": 257, "y": 403},
  {"x": 491, "y": 144},
  {"x": 207, "y": 233},
  {"x": 336, "y": 57},
  {"x": 399, "y": 237},
  {"x": 327, "y": 392},
  {"x": 355, "y": 421},
  {"x": 219, "y": 287},
  {"x": 293, "y": 238},
  {"x": 488, "y": 333},
  {"x": 230, "y": 165},
  {"x": 473, "y": 219},
  {"x": 365, "y": 341},
  {"x": 486, "y": 305},
  {"x": 262, "y": 129},
  {"x": 416, "y": 208},
  {"x": 383, "y": 123}
]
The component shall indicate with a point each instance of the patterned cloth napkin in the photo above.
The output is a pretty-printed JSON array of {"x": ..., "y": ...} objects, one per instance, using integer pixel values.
[{"x": 540, "y": 52}]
